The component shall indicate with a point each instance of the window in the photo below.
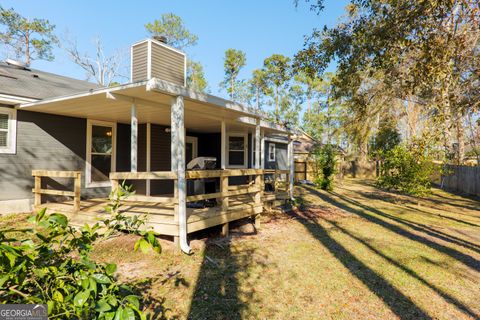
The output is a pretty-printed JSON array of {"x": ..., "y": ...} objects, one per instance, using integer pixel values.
[
  {"x": 100, "y": 153},
  {"x": 8, "y": 130},
  {"x": 271, "y": 152},
  {"x": 237, "y": 150}
]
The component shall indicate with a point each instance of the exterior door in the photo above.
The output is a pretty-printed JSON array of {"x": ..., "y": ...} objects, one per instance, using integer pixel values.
[{"x": 191, "y": 149}]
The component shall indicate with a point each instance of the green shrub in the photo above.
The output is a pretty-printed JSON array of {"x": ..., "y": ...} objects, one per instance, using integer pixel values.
[
  {"x": 407, "y": 169},
  {"x": 324, "y": 167},
  {"x": 49, "y": 264}
]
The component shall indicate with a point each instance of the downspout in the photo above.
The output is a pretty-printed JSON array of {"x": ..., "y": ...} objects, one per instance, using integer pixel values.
[{"x": 291, "y": 165}]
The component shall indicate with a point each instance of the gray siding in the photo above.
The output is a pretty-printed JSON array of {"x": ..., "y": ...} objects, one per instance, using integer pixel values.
[
  {"x": 160, "y": 159},
  {"x": 281, "y": 156},
  {"x": 46, "y": 142},
  {"x": 139, "y": 61}
]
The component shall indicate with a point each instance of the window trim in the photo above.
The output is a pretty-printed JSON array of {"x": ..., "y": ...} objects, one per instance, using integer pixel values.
[
  {"x": 88, "y": 159},
  {"x": 11, "y": 147},
  {"x": 272, "y": 145},
  {"x": 194, "y": 142},
  {"x": 245, "y": 150}
]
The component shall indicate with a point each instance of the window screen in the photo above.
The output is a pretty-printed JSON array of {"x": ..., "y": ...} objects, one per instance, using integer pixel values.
[
  {"x": 236, "y": 151},
  {"x": 3, "y": 130}
]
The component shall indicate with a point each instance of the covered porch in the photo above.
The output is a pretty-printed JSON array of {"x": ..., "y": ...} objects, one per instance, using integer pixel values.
[{"x": 146, "y": 133}]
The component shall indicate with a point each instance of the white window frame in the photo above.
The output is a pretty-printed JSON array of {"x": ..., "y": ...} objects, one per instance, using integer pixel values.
[
  {"x": 88, "y": 166},
  {"x": 11, "y": 147},
  {"x": 271, "y": 146},
  {"x": 194, "y": 142},
  {"x": 245, "y": 150}
]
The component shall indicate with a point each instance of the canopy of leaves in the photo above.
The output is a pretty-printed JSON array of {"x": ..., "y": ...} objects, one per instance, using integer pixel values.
[
  {"x": 30, "y": 39},
  {"x": 173, "y": 29},
  {"x": 196, "y": 76},
  {"x": 233, "y": 62}
]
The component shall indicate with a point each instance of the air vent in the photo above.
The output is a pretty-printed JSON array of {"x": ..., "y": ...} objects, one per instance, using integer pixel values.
[{"x": 154, "y": 59}]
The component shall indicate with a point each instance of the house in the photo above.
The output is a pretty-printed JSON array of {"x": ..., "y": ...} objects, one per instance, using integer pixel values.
[{"x": 59, "y": 134}]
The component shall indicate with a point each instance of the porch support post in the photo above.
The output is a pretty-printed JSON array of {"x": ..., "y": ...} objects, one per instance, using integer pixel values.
[
  {"x": 223, "y": 145},
  {"x": 133, "y": 138},
  {"x": 149, "y": 154},
  {"x": 291, "y": 166},
  {"x": 257, "y": 145},
  {"x": 178, "y": 166},
  {"x": 262, "y": 150}
]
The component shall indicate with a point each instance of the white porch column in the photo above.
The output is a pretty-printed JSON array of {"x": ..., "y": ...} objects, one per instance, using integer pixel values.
[
  {"x": 149, "y": 154},
  {"x": 133, "y": 138},
  {"x": 291, "y": 166},
  {"x": 257, "y": 145},
  {"x": 178, "y": 166},
  {"x": 262, "y": 150},
  {"x": 223, "y": 145}
]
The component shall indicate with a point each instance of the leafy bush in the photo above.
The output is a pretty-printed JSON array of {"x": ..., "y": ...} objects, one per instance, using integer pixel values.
[
  {"x": 50, "y": 264},
  {"x": 407, "y": 169},
  {"x": 324, "y": 167}
]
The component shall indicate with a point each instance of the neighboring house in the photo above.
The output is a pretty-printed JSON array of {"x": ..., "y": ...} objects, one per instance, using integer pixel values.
[{"x": 145, "y": 132}]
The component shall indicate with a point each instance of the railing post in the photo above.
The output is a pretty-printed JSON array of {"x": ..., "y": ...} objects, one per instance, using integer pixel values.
[
  {"x": 77, "y": 191},
  {"x": 224, "y": 188},
  {"x": 38, "y": 195},
  {"x": 258, "y": 199}
]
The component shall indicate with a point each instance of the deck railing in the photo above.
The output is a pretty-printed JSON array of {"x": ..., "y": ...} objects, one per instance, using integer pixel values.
[
  {"x": 116, "y": 177},
  {"x": 255, "y": 188},
  {"x": 75, "y": 194},
  {"x": 279, "y": 184}
]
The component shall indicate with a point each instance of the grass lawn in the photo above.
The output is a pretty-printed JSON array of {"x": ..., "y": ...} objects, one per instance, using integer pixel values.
[{"x": 355, "y": 253}]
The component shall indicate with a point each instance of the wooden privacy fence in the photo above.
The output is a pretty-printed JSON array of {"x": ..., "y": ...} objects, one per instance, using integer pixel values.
[
  {"x": 463, "y": 179},
  {"x": 75, "y": 194},
  {"x": 304, "y": 170}
]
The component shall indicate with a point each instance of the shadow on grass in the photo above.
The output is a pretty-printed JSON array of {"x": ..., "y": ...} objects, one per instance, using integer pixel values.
[
  {"x": 460, "y": 256},
  {"x": 217, "y": 294},
  {"x": 398, "y": 303},
  {"x": 452, "y": 300}
]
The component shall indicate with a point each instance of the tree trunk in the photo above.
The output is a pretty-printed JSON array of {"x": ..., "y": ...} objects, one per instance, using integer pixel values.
[
  {"x": 276, "y": 104},
  {"x": 27, "y": 48},
  {"x": 460, "y": 140}
]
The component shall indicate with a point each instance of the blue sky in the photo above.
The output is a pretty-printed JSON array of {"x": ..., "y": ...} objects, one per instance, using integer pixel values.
[{"x": 260, "y": 28}]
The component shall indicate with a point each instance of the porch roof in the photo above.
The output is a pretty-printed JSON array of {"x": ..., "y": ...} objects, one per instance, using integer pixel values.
[{"x": 153, "y": 101}]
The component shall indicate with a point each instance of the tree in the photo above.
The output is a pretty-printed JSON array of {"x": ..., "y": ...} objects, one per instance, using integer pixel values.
[
  {"x": 173, "y": 29},
  {"x": 259, "y": 86},
  {"x": 233, "y": 62},
  {"x": 419, "y": 49},
  {"x": 196, "y": 76},
  {"x": 277, "y": 73},
  {"x": 30, "y": 39},
  {"x": 106, "y": 70}
]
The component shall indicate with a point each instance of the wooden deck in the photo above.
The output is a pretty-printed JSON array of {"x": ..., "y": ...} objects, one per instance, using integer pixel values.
[{"x": 161, "y": 216}]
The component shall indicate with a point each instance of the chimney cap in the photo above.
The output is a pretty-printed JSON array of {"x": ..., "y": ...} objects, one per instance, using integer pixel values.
[{"x": 160, "y": 38}]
